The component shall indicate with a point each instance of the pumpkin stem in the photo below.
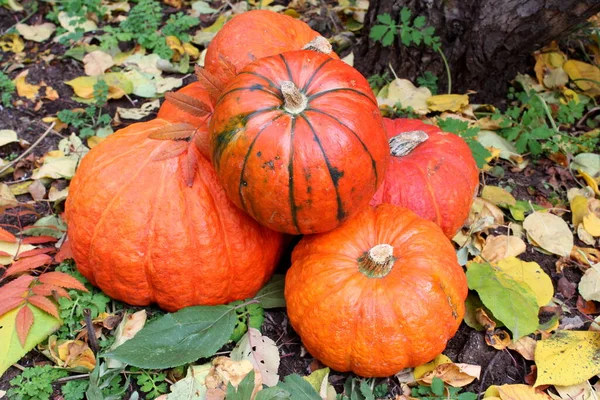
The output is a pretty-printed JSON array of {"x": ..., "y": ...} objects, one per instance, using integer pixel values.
[
  {"x": 319, "y": 44},
  {"x": 294, "y": 100},
  {"x": 378, "y": 261},
  {"x": 404, "y": 143}
]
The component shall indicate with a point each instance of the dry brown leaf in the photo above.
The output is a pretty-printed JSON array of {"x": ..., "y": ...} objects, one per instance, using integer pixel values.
[
  {"x": 525, "y": 346},
  {"x": 550, "y": 232},
  {"x": 456, "y": 375},
  {"x": 96, "y": 62},
  {"x": 224, "y": 370},
  {"x": 499, "y": 247}
]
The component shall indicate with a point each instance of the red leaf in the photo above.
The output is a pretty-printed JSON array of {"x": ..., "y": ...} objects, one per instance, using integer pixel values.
[
  {"x": 227, "y": 67},
  {"x": 172, "y": 151},
  {"x": 45, "y": 304},
  {"x": 10, "y": 304},
  {"x": 210, "y": 83},
  {"x": 23, "y": 323},
  {"x": 46, "y": 289},
  {"x": 173, "y": 132},
  {"x": 4, "y": 254},
  {"x": 39, "y": 239},
  {"x": 41, "y": 250},
  {"x": 190, "y": 166},
  {"x": 64, "y": 252},
  {"x": 61, "y": 279},
  {"x": 189, "y": 104},
  {"x": 15, "y": 288},
  {"x": 6, "y": 236},
  {"x": 26, "y": 264}
]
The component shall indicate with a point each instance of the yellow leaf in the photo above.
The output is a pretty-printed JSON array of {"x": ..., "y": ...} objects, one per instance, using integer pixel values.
[
  {"x": 36, "y": 33},
  {"x": 175, "y": 44},
  {"x": 408, "y": 95},
  {"x": 430, "y": 366},
  {"x": 191, "y": 50},
  {"x": 582, "y": 391},
  {"x": 58, "y": 126},
  {"x": 499, "y": 247},
  {"x": 567, "y": 358},
  {"x": 12, "y": 42},
  {"x": 75, "y": 355},
  {"x": 585, "y": 76},
  {"x": 20, "y": 188},
  {"x": 118, "y": 85},
  {"x": 8, "y": 136},
  {"x": 498, "y": 196},
  {"x": 456, "y": 375},
  {"x": 94, "y": 141},
  {"x": 521, "y": 392},
  {"x": 591, "y": 223},
  {"x": 589, "y": 180},
  {"x": 579, "y": 209},
  {"x": 7, "y": 199},
  {"x": 447, "y": 102},
  {"x": 550, "y": 232},
  {"x": 491, "y": 392},
  {"x": 532, "y": 275},
  {"x": 25, "y": 89}
]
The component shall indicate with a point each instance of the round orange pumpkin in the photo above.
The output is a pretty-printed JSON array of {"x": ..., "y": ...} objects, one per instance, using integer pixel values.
[
  {"x": 171, "y": 112},
  {"x": 380, "y": 293},
  {"x": 143, "y": 235},
  {"x": 257, "y": 34},
  {"x": 431, "y": 172},
  {"x": 298, "y": 142}
]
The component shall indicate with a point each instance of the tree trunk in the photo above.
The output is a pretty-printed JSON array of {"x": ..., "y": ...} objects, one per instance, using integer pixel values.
[{"x": 486, "y": 42}]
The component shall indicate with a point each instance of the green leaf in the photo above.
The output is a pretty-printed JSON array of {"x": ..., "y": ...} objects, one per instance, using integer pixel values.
[
  {"x": 271, "y": 295},
  {"x": 378, "y": 32},
  {"x": 273, "y": 393},
  {"x": 511, "y": 302},
  {"x": 299, "y": 388},
  {"x": 179, "y": 338},
  {"x": 252, "y": 315},
  {"x": 419, "y": 22},
  {"x": 405, "y": 15},
  {"x": 467, "y": 396},
  {"x": 366, "y": 391},
  {"x": 437, "y": 386},
  {"x": 385, "y": 19},
  {"x": 480, "y": 153},
  {"x": 388, "y": 39},
  {"x": 244, "y": 389}
]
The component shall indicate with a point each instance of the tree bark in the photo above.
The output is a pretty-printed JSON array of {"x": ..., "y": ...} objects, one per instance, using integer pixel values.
[{"x": 486, "y": 42}]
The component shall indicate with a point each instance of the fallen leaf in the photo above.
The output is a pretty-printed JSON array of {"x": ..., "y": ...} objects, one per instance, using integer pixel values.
[
  {"x": 456, "y": 375},
  {"x": 73, "y": 355},
  {"x": 319, "y": 380},
  {"x": 7, "y": 198},
  {"x": 556, "y": 78},
  {"x": 262, "y": 352},
  {"x": 55, "y": 194},
  {"x": 118, "y": 85},
  {"x": 591, "y": 223},
  {"x": 587, "y": 162},
  {"x": 520, "y": 392},
  {"x": 224, "y": 371},
  {"x": 408, "y": 95},
  {"x": 127, "y": 329},
  {"x": 57, "y": 167},
  {"x": 589, "y": 285},
  {"x": 531, "y": 274},
  {"x": 500, "y": 247},
  {"x": 525, "y": 346},
  {"x": 582, "y": 391},
  {"x": 37, "y": 190},
  {"x": 37, "y": 33},
  {"x": 491, "y": 139},
  {"x": 139, "y": 113},
  {"x": 567, "y": 358},
  {"x": 447, "y": 102},
  {"x": 421, "y": 370},
  {"x": 73, "y": 23},
  {"x": 193, "y": 385},
  {"x": 498, "y": 196},
  {"x": 12, "y": 43},
  {"x": 550, "y": 232},
  {"x": 25, "y": 89},
  {"x": 585, "y": 76},
  {"x": 145, "y": 63},
  {"x": 8, "y": 136},
  {"x": 96, "y": 62},
  {"x": 11, "y": 249}
]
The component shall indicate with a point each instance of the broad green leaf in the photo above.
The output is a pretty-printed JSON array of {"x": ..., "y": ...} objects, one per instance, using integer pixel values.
[
  {"x": 316, "y": 378},
  {"x": 567, "y": 358},
  {"x": 244, "y": 389},
  {"x": 512, "y": 302},
  {"x": 51, "y": 225},
  {"x": 299, "y": 388},
  {"x": 588, "y": 163},
  {"x": 530, "y": 274},
  {"x": 179, "y": 338},
  {"x": 366, "y": 391},
  {"x": 385, "y": 19},
  {"x": 11, "y": 350},
  {"x": 273, "y": 393},
  {"x": 271, "y": 295}
]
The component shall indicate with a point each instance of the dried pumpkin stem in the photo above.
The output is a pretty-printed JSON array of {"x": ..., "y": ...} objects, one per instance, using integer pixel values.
[
  {"x": 319, "y": 44},
  {"x": 378, "y": 261},
  {"x": 404, "y": 143},
  {"x": 294, "y": 100}
]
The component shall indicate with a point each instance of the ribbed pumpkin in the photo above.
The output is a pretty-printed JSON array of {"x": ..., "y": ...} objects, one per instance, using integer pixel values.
[
  {"x": 142, "y": 235},
  {"x": 380, "y": 293},
  {"x": 298, "y": 142},
  {"x": 257, "y": 34},
  {"x": 431, "y": 172}
]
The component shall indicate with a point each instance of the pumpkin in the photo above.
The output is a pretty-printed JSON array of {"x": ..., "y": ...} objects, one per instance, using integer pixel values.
[
  {"x": 298, "y": 142},
  {"x": 170, "y": 111},
  {"x": 378, "y": 294},
  {"x": 257, "y": 34},
  {"x": 431, "y": 172},
  {"x": 149, "y": 223}
]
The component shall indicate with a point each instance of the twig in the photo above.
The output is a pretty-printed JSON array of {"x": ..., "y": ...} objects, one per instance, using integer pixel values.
[
  {"x": 71, "y": 378},
  {"x": 17, "y": 366},
  {"x": 87, "y": 313},
  {"x": 13, "y": 162},
  {"x": 485, "y": 374},
  {"x": 586, "y": 116}
]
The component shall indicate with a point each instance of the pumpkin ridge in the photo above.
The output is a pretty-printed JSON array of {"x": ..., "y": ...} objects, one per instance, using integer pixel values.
[
  {"x": 357, "y": 325},
  {"x": 247, "y": 156},
  {"x": 312, "y": 77},
  {"x": 147, "y": 263},
  {"x": 334, "y": 175},
  {"x": 225, "y": 137},
  {"x": 324, "y": 92},
  {"x": 438, "y": 215},
  {"x": 256, "y": 87},
  {"x": 287, "y": 67},
  {"x": 373, "y": 163},
  {"x": 270, "y": 82},
  {"x": 293, "y": 207},
  {"x": 105, "y": 212},
  {"x": 104, "y": 163}
]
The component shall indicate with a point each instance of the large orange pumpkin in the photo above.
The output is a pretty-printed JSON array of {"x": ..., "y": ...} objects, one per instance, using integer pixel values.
[
  {"x": 257, "y": 34},
  {"x": 171, "y": 112},
  {"x": 298, "y": 142},
  {"x": 143, "y": 235},
  {"x": 431, "y": 172},
  {"x": 380, "y": 293}
]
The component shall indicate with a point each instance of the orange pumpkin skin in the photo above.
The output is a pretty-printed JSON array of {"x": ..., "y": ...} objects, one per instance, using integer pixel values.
[
  {"x": 376, "y": 326},
  {"x": 436, "y": 180},
  {"x": 143, "y": 236},
  {"x": 305, "y": 171},
  {"x": 253, "y": 35},
  {"x": 172, "y": 113}
]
